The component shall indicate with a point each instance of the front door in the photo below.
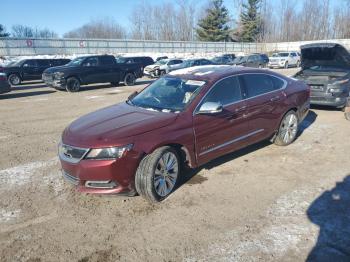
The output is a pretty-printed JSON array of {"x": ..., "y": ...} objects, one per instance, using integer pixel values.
[
  {"x": 30, "y": 70},
  {"x": 220, "y": 133},
  {"x": 91, "y": 71}
]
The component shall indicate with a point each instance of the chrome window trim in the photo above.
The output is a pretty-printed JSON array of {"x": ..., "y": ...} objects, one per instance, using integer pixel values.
[
  {"x": 244, "y": 99},
  {"x": 231, "y": 141}
]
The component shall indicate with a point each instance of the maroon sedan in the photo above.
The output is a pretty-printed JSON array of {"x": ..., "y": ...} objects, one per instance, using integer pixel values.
[{"x": 190, "y": 116}]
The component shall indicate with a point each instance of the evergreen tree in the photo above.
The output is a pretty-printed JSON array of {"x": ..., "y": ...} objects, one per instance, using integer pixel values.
[
  {"x": 250, "y": 20},
  {"x": 3, "y": 33},
  {"x": 213, "y": 27}
]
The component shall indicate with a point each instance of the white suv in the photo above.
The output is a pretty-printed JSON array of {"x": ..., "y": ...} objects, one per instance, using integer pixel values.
[{"x": 284, "y": 60}]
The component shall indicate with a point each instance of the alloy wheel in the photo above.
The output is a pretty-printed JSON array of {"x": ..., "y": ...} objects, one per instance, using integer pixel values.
[
  {"x": 289, "y": 128},
  {"x": 15, "y": 80},
  {"x": 165, "y": 174}
]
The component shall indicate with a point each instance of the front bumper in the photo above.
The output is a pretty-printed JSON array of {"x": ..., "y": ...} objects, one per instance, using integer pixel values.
[
  {"x": 56, "y": 83},
  {"x": 276, "y": 64},
  {"x": 103, "y": 176}
]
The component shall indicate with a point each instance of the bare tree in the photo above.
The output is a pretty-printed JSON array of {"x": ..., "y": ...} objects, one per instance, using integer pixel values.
[
  {"x": 27, "y": 31},
  {"x": 105, "y": 28}
]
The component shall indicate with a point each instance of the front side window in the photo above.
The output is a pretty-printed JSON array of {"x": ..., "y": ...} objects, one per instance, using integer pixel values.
[
  {"x": 91, "y": 61},
  {"x": 225, "y": 92},
  {"x": 168, "y": 94},
  {"x": 258, "y": 84},
  {"x": 30, "y": 63}
]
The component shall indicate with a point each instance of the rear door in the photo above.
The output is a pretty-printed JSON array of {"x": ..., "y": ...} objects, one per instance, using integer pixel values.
[
  {"x": 265, "y": 103},
  {"x": 30, "y": 70},
  {"x": 217, "y": 134},
  {"x": 108, "y": 70}
]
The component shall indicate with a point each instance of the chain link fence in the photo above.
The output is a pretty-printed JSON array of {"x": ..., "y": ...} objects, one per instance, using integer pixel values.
[{"x": 30, "y": 46}]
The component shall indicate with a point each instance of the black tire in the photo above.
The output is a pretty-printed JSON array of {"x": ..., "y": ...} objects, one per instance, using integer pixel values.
[
  {"x": 280, "y": 136},
  {"x": 286, "y": 65},
  {"x": 145, "y": 174},
  {"x": 114, "y": 83},
  {"x": 73, "y": 84},
  {"x": 129, "y": 79},
  {"x": 14, "y": 79},
  {"x": 162, "y": 73},
  {"x": 298, "y": 64}
]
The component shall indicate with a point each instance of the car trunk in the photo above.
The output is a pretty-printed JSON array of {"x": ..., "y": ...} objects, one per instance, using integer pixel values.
[{"x": 323, "y": 64}]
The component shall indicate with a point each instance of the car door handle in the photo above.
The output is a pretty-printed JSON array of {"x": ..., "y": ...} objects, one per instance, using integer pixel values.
[{"x": 275, "y": 98}]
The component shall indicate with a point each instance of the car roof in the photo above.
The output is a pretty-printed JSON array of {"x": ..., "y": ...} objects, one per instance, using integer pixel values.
[{"x": 213, "y": 72}]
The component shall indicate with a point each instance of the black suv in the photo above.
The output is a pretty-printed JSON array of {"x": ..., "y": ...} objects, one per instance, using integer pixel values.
[
  {"x": 30, "y": 69},
  {"x": 143, "y": 61}
]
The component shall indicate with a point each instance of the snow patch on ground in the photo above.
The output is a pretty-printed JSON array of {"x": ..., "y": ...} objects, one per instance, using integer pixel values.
[
  {"x": 22, "y": 174},
  {"x": 6, "y": 216}
]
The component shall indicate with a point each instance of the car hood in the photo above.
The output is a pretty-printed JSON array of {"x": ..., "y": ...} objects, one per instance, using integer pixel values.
[
  {"x": 152, "y": 66},
  {"x": 107, "y": 126},
  {"x": 324, "y": 54},
  {"x": 54, "y": 69},
  {"x": 277, "y": 57}
]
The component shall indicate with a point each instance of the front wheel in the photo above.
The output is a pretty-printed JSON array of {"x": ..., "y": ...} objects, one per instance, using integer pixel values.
[
  {"x": 157, "y": 174},
  {"x": 298, "y": 64},
  {"x": 129, "y": 79},
  {"x": 286, "y": 65},
  {"x": 73, "y": 84},
  {"x": 288, "y": 129}
]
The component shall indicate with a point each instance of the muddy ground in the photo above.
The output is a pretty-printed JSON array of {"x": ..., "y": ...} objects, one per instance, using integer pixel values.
[{"x": 264, "y": 203}]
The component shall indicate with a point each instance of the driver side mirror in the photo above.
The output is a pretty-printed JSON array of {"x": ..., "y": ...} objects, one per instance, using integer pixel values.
[{"x": 210, "y": 108}]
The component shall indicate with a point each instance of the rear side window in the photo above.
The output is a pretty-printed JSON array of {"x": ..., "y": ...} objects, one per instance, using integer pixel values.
[
  {"x": 226, "y": 91},
  {"x": 107, "y": 60},
  {"x": 43, "y": 63},
  {"x": 258, "y": 84}
]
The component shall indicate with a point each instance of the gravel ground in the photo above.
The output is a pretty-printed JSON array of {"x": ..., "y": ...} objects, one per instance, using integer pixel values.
[{"x": 263, "y": 203}]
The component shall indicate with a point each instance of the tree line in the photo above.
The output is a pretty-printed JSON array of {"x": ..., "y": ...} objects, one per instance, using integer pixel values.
[{"x": 188, "y": 20}]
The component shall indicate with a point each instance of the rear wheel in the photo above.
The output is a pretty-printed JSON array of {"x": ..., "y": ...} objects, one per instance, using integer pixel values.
[
  {"x": 14, "y": 80},
  {"x": 288, "y": 129},
  {"x": 157, "y": 174},
  {"x": 73, "y": 84},
  {"x": 129, "y": 79}
]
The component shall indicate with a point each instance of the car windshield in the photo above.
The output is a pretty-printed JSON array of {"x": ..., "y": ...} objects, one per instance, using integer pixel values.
[
  {"x": 168, "y": 94},
  {"x": 161, "y": 62},
  {"x": 15, "y": 63},
  {"x": 76, "y": 61},
  {"x": 283, "y": 54}
]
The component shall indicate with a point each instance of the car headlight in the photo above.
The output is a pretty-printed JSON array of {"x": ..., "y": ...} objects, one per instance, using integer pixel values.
[
  {"x": 58, "y": 75},
  {"x": 108, "y": 152}
]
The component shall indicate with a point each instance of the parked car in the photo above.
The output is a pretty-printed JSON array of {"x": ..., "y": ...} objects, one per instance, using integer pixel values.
[
  {"x": 222, "y": 60},
  {"x": 284, "y": 60},
  {"x": 161, "y": 67},
  {"x": 231, "y": 56},
  {"x": 190, "y": 63},
  {"x": 142, "y": 60},
  {"x": 253, "y": 60},
  {"x": 30, "y": 69},
  {"x": 90, "y": 70},
  {"x": 4, "y": 85},
  {"x": 187, "y": 117},
  {"x": 326, "y": 69}
]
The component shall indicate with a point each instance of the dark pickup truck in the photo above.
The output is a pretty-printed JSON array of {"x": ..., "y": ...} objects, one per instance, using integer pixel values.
[
  {"x": 90, "y": 70},
  {"x": 29, "y": 69}
]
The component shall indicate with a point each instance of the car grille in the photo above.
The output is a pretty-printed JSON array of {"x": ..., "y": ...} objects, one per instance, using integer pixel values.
[
  {"x": 71, "y": 154},
  {"x": 47, "y": 77},
  {"x": 71, "y": 179}
]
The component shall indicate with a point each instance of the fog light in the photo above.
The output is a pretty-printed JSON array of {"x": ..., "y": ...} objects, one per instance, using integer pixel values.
[{"x": 101, "y": 184}]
